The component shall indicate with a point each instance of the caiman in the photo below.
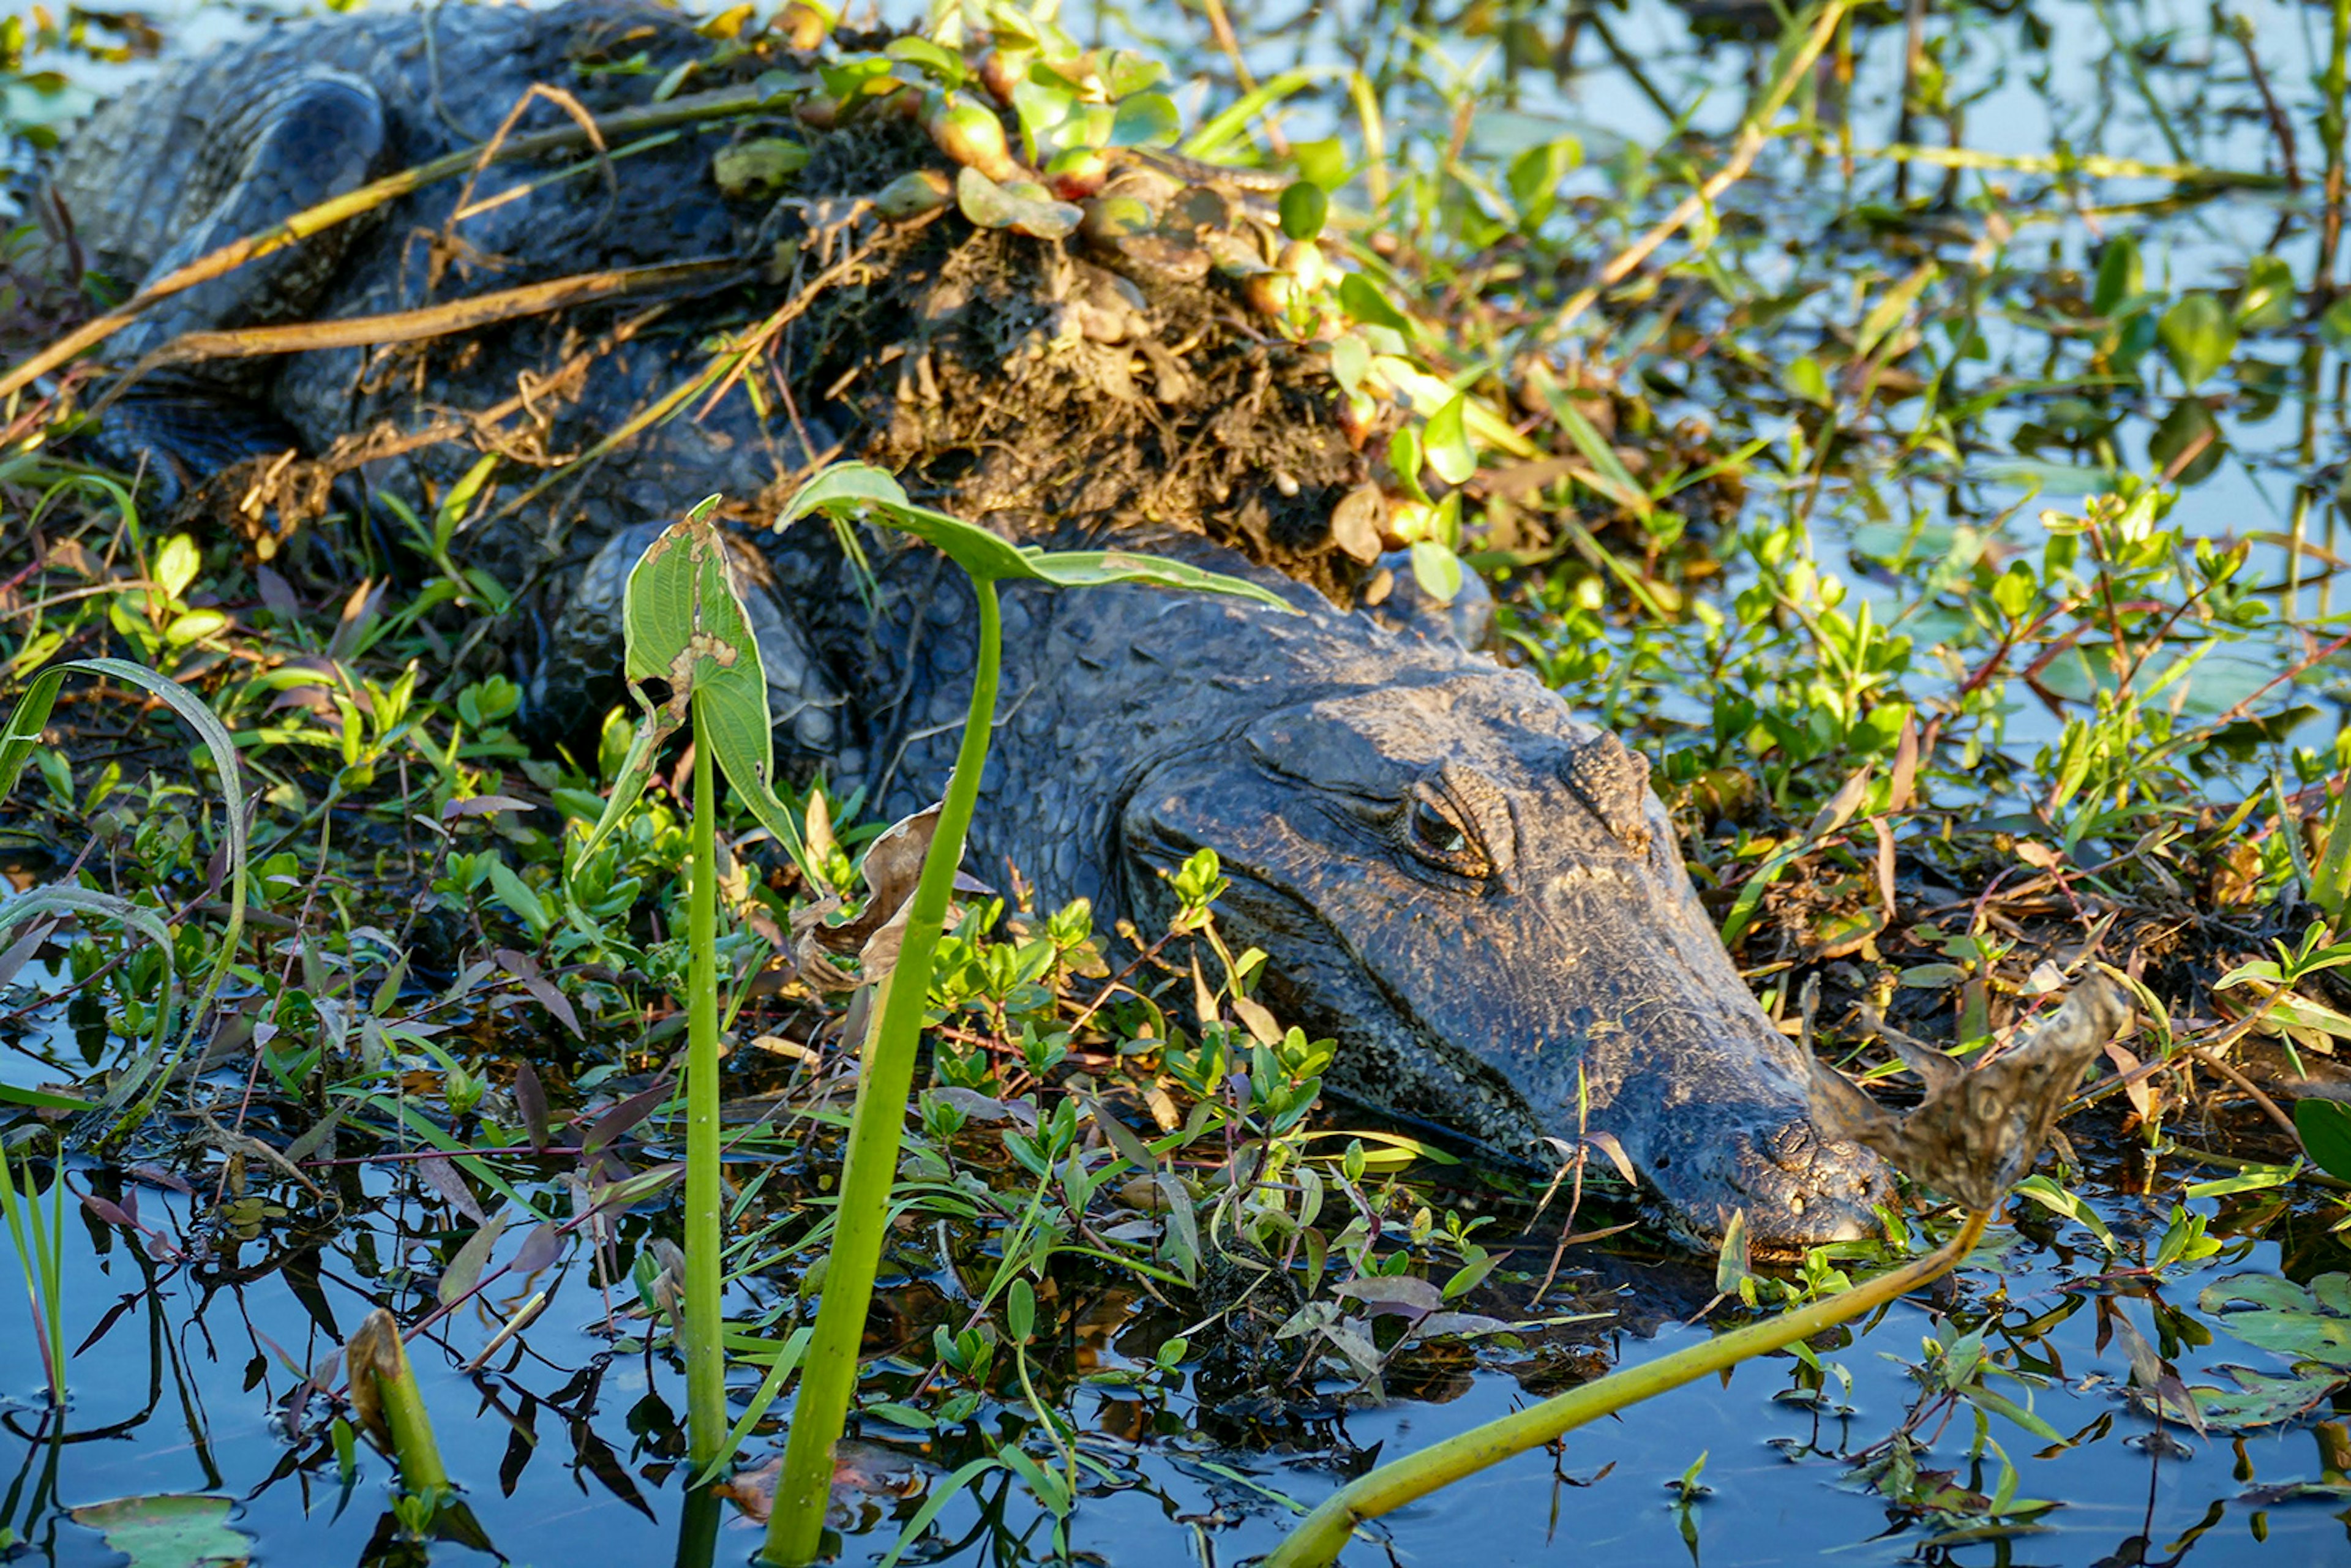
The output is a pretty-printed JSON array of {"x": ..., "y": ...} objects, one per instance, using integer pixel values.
[{"x": 1478, "y": 895}]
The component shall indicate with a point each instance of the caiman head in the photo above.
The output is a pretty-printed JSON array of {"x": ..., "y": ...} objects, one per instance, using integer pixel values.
[{"x": 1482, "y": 901}]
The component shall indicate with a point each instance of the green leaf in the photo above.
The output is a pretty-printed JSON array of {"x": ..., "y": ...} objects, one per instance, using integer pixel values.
[
  {"x": 1020, "y": 1311},
  {"x": 1305, "y": 207},
  {"x": 1024, "y": 208},
  {"x": 2267, "y": 299},
  {"x": 176, "y": 564},
  {"x": 2119, "y": 275},
  {"x": 2335, "y": 324},
  {"x": 2188, "y": 439},
  {"x": 169, "y": 1531},
  {"x": 1448, "y": 445},
  {"x": 2199, "y": 336},
  {"x": 684, "y": 625},
  {"x": 1351, "y": 361},
  {"x": 944, "y": 64},
  {"x": 1804, "y": 378},
  {"x": 2325, "y": 1129},
  {"x": 1437, "y": 570},
  {"x": 1365, "y": 302},
  {"x": 1324, "y": 161},
  {"x": 988, "y": 559},
  {"x": 861, "y": 486},
  {"x": 1093, "y": 569},
  {"x": 1146, "y": 120}
]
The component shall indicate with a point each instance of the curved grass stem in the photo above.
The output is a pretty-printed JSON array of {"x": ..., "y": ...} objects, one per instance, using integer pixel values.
[
  {"x": 1321, "y": 1536},
  {"x": 829, "y": 1381}
]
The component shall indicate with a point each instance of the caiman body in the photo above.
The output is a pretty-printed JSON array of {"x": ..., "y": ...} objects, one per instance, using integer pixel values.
[{"x": 1475, "y": 894}]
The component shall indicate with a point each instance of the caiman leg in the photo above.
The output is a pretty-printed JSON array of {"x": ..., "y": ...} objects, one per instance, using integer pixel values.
[{"x": 293, "y": 141}]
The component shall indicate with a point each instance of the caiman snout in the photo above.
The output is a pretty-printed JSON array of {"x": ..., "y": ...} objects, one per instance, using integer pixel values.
[{"x": 1797, "y": 1189}]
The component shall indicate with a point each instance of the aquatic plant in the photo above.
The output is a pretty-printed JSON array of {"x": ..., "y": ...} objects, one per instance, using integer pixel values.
[{"x": 829, "y": 1378}]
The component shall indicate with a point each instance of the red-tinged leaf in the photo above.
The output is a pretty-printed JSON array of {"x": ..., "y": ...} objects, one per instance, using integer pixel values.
[
  {"x": 437, "y": 1173},
  {"x": 521, "y": 965},
  {"x": 625, "y": 1115},
  {"x": 555, "y": 1001},
  {"x": 156, "y": 1175},
  {"x": 484, "y": 806},
  {"x": 277, "y": 595},
  {"x": 1402, "y": 1294},
  {"x": 1906, "y": 767},
  {"x": 542, "y": 1247},
  {"x": 108, "y": 1212},
  {"x": 465, "y": 1270},
  {"x": 530, "y": 1100},
  {"x": 1607, "y": 1144}
]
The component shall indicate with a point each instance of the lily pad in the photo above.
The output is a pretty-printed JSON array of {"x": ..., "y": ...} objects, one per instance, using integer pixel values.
[
  {"x": 2311, "y": 1324},
  {"x": 170, "y": 1529}
]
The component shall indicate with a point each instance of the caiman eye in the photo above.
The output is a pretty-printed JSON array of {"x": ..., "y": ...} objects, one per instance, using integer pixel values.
[{"x": 1435, "y": 832}]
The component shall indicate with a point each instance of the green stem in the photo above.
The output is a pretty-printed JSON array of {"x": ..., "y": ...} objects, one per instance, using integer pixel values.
[
  {"x": 2332, "y": 87},
  {"x": 413, "y": 1445},
  {"x": 796, "y": 1529},
  {"x": 705, "y": 1355},
  {"x": 1319, "y": 1539}
]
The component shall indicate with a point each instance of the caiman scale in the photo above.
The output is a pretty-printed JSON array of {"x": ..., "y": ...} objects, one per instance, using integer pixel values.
[{"x": 1478, "y": 895}]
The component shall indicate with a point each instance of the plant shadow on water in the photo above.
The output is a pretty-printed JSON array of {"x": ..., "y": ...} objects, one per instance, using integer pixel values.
[{"x": 2155, "y": 1346}]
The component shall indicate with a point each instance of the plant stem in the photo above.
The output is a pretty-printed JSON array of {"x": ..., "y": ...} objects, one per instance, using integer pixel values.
[
  {"x": 796, "y": 1528},
  {"x": 2333, "y": 85},
  {"x": 705, "y": 1353},
  {"x": 1319, "y": 1539}
]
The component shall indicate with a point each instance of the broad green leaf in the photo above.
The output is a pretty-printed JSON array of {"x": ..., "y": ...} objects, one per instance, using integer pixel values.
[
  {"x": 1305, "y": 206},
  {"x": 1024, "y": 208},
  {"x": 978, "y": 552},
  {"x": 1437, "y": 570},
  {"x": 1350, "y": 357},
  {"x": 944, "y": 64},
  {"x": 1126, "y": 72},
  {"x": 1360, "y": 298},
  {"x": 1448, "y": 445},
  {"x": 2189, "y": 439},
  {"x": 2311, "y": 1324},
  {"x": 1324, "y": 161},
  {"x": 1093, "y": 568},
  {"x": 2199, "y": 336},
  {"x": 1146, "y": 120},
  {"x": 685, "y": 626},
  {"x": 176, "y": 564},
  {"x": 1804, "y": 378},
  {"x": 2325, "y": 1129},
  {"x": 2266, "y": 300},
  {"x": 168, "y": 1531}
]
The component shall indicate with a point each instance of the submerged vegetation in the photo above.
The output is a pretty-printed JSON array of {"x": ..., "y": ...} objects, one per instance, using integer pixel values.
[{"x": 1923, "y": 435}]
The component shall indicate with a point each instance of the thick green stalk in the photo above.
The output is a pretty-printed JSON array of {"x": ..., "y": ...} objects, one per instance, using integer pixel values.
[
  {"x": 828, "y": 1380},
  {"x": 705, "y": 1355},
  {"x": 1321, "y": 1536}
]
